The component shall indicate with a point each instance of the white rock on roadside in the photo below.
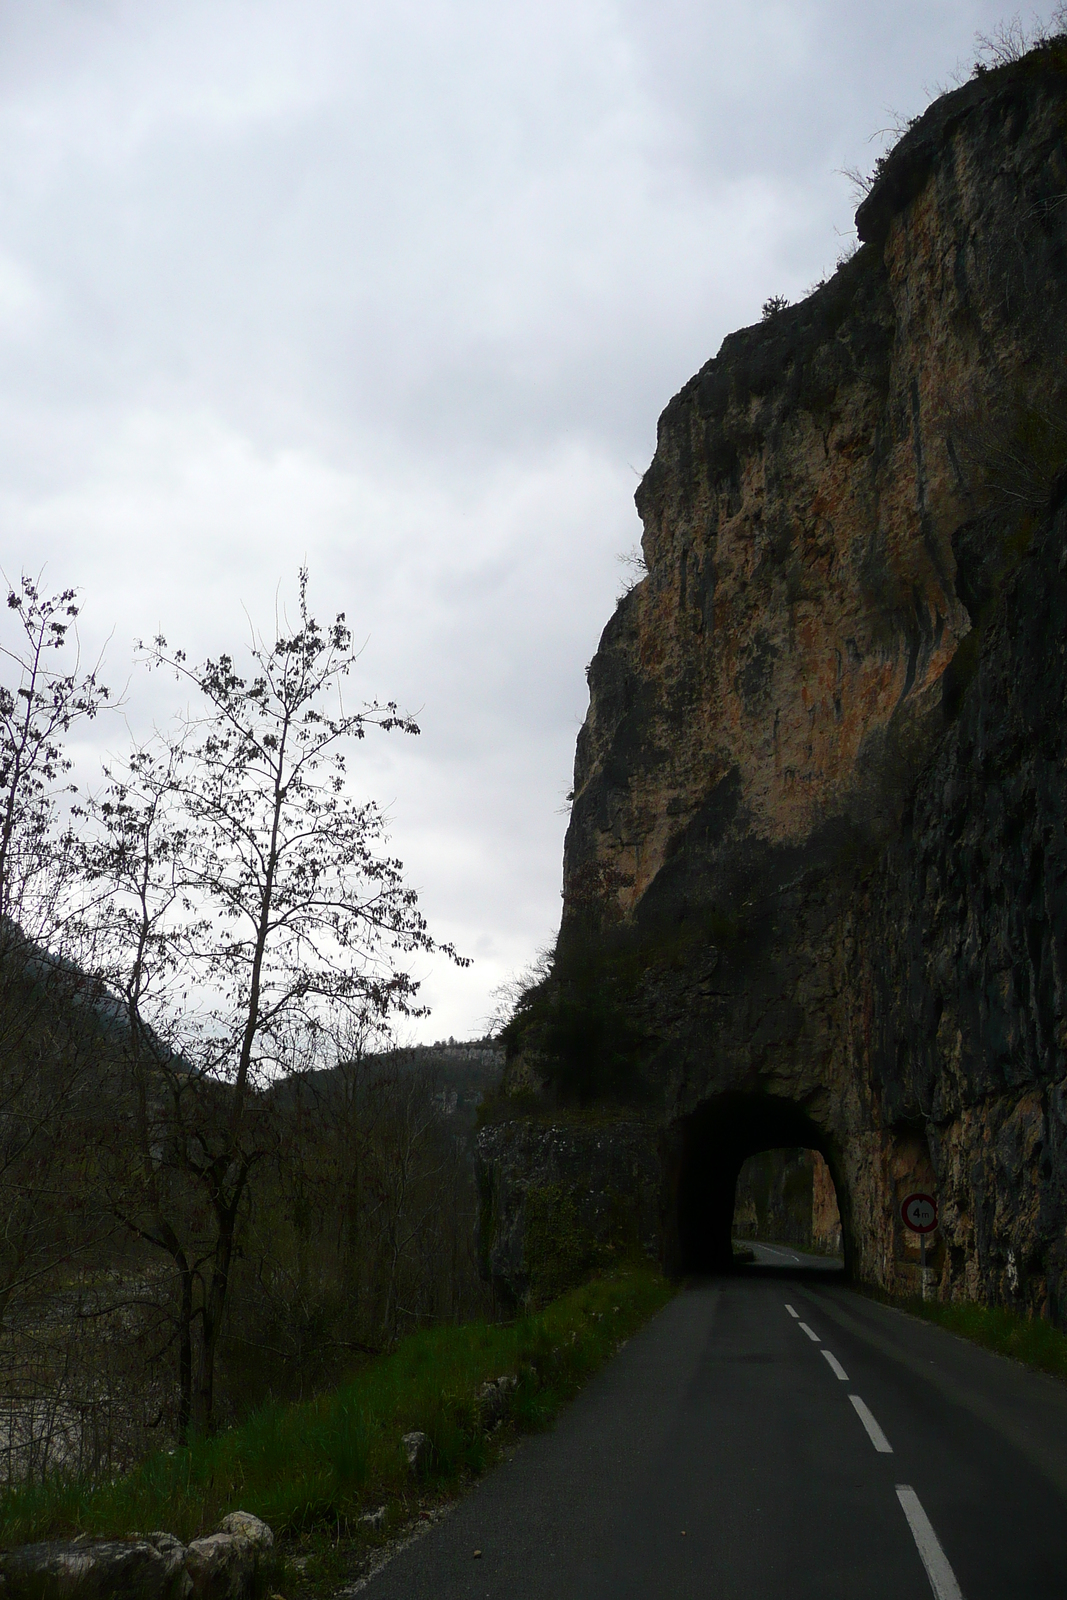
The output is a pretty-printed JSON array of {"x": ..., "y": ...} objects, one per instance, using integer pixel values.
[
  {"x": 493, "y": 1398},
  {"x": 243, "y": 1525},
  {"x": 224, "y": 1565},
  {"x": 417, "y": 1449}
]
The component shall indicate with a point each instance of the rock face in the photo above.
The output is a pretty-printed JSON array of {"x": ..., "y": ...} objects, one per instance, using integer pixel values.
[
  {"x": 813, "y": 876},
  {"x": 559, "y": 1200},
  {"x": 958, "y": 981}
]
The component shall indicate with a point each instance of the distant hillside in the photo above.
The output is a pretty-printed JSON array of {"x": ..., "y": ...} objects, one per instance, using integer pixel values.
[
  {"x": 461, "y": 1073},
  {"x": 464, "y": 1072}
]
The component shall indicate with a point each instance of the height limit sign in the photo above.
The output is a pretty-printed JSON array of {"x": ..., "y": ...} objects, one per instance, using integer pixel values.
[{"x": 919, "y": 1213}]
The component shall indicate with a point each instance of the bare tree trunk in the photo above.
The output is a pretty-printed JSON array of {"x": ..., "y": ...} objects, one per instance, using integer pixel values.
[
  {"x": 185, "y": 1356},
  {"x": 214, "y": 1305}
]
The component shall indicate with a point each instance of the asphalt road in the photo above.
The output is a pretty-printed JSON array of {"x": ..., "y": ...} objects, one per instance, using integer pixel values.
[{"x": 772, "y": 1434}]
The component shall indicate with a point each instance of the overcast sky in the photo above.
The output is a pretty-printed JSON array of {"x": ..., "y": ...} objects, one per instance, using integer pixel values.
[{"x": 400, "y": 289}]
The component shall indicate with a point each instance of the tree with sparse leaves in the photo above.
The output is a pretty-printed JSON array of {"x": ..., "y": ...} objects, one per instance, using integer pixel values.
[
  {"x": 48, "y": 1025},
  {"x": 245, "y": 911}
]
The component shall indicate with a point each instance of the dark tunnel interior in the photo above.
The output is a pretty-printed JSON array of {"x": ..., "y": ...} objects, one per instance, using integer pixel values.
[{"x": 716, "y": 1140}]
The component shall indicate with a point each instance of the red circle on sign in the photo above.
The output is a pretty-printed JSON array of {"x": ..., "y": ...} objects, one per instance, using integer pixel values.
[{"x": 919, "y": 1212}]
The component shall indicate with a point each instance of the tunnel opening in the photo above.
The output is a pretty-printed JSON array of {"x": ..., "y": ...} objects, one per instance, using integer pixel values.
[
  {"x": 716, "y": 1141},
  {"x": 786, "y": 1197}
]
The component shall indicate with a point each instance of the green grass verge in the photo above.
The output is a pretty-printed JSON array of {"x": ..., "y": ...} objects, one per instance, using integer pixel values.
[
  {"x": 322, "y": 1464},
  {"x": 1031, "y": 1340}
]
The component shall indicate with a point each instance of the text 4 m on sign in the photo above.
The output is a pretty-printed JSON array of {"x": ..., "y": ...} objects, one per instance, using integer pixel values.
[{"x": 919, "y": 1212}]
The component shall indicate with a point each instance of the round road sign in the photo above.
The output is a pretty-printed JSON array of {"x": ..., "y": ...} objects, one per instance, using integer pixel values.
[{"x": 919, "y": 1212}]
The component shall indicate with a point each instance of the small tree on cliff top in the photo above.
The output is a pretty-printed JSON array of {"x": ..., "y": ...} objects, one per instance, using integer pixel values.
[{"x": 241, "y": 881}]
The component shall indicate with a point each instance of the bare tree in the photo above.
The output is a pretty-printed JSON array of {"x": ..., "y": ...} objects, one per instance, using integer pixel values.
[
  {"x": 243, "y": 905},
  {"x": 44, "y": 695},
  {"x": 49, "y": 1024},
  {"x": 1010, "y": 40}
]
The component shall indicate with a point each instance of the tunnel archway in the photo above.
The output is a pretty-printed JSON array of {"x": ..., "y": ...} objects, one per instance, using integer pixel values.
[{"x": 712, "y": 1145}]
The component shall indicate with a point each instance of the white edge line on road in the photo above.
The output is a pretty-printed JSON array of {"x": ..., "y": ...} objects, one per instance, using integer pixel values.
[
  {"x": 941, "y": 1576},
  {"x": 793, "y": 1313},
  {"x": 835, "y": 1366},
  {"x": 812, "y": 1335},
  {"x": 874, "y": 1432}
]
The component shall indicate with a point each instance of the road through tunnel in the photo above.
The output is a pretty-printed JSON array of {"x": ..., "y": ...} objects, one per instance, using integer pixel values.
[{"x": 713, "y": 1144}]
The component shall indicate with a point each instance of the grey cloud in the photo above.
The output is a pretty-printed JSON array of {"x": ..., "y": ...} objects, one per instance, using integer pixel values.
[{"x": 402, "y": 289}]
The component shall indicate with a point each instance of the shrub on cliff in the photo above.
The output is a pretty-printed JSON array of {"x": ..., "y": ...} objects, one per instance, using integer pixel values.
[{"x": 577, "y": 1020}]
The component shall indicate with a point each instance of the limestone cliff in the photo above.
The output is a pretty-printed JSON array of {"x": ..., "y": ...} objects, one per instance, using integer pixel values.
[
  {"x": 813, "y": 883},
  {"x": 957, "y": 976}
]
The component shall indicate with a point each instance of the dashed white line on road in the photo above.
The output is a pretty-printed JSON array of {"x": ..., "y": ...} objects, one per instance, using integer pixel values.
[
  {"x": 812, "y": 1335},
  {"x": 941, "y": 1576},
  {"x": 836, "y": 1367},
  {"x": 874, "y": 1432},
  {"x": 793, "y": 1313}
]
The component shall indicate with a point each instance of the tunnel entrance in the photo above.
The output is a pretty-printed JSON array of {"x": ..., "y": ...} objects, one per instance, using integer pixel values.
[
  {"x": 715, "y": 1142},
  {"x": 787, "y": 1197}
]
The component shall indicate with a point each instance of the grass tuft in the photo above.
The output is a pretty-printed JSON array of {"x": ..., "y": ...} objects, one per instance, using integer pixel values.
[{"x": 1031, "y": 1340}]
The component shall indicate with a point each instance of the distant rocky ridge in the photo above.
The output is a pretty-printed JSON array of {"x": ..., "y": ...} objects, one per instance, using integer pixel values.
[
  {"x": 814, "y": 876},
  {"x": 464, "y": 1073}
]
